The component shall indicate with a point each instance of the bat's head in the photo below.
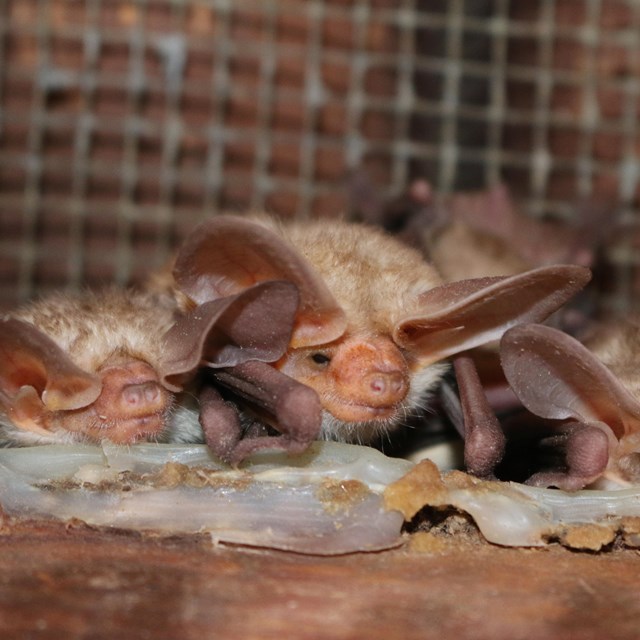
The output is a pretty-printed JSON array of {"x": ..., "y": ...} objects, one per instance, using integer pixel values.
[
  {"x": 85, "y": 368},
  {"x": 366, "y": 380},
  {"x": 374, "y": 322}
]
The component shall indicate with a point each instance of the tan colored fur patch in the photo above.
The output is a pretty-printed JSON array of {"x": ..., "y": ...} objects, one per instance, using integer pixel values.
[{"x": 93, "y": 327}]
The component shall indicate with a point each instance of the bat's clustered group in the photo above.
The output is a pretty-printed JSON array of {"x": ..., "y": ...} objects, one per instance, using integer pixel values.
[{"x": 266, "y": 334}]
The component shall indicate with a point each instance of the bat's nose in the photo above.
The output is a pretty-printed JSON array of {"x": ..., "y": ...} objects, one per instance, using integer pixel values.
[
  {"x": 147, "y": 396},
  {"x": 386, "y": 387},
  {"x": 370, "y": 372},
  {"x": 131, "y": 390}
]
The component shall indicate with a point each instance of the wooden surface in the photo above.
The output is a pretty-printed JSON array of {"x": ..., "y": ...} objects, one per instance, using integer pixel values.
[{"x": 75, "y": 582}]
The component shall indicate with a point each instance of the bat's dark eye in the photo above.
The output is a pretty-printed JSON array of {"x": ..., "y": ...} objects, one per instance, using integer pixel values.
[{"x": 320, "y": 358}]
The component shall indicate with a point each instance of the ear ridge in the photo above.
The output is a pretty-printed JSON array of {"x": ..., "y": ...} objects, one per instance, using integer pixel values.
[
  {"x": 556, "y": 377},
  {"x": 462, "y": 315},
  {"x": 227, "y": 254},
  {"x": 26, "y": 410},
  {"x": 29, "y": 359}
]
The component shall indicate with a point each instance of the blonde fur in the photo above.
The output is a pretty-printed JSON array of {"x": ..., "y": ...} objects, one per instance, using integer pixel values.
[
  {"x": 377, "y": 281},
  {"x": 97, "y": 327}
]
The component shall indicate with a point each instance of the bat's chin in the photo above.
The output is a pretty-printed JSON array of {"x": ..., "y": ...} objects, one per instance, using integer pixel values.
[
  {"x": 350, "y": 412},
  {"x": 129, "y": 430},
  {"x": 363, "y": 431}
]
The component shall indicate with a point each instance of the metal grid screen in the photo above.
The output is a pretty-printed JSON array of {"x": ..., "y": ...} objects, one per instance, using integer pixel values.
[{"x": 123, "y": 123}]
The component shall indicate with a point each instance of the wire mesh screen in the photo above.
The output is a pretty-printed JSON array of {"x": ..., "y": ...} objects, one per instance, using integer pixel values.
[{"x": 124, "y": 122}]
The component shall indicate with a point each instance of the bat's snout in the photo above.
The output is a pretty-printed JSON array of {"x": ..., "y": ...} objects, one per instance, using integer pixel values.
[
  {"x": 386, "y": 388},
  {"x": 369, "y": 380},
  {"x": 145, "y": 397},
  {"x": 133, "y": 404}
]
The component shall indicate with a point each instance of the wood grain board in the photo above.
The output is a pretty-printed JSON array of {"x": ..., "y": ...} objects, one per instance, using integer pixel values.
[{"x": 72, "y": 581}]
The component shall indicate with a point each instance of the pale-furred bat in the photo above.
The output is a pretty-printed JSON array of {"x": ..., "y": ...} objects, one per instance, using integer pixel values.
[
  {"x": 588, "y": 396},
  {"x": 71, "y": 369},
  {"x": 117, "y": 364},
  {"x": 375, "y": 321},
  {"x": 580, "y": 422}
]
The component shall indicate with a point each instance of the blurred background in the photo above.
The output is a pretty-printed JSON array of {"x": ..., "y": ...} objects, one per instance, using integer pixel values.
[{"x": 125, "y": 122}]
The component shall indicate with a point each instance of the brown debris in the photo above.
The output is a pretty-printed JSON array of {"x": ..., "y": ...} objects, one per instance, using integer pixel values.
[
  {"x": 428, "y": 542},
  {"x": 341, "y": 495},
  {"x": 589, "y": 537},
  {"x": 170, "y": 476},
  {"x": 422, "y": 485}
]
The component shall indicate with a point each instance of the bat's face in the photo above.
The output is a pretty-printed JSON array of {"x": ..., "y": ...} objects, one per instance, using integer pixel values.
[
  {"x": 374, "y": 322},
  {"x": 359, "y": 379},
  {"x": 85, "y": 369},
  {"x": 132, "y": 407},
  {"x": 366, "y": 384},
  {"x": 109, "y": 366}
]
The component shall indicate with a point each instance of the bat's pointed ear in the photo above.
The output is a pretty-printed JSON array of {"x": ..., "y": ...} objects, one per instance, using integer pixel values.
[
  {"x": 556, "y": 377},
  {"x": 254, "y": 324},
  {"x": 228, "y": 254},
  {"x": 466, "y": 314},
  {"x": 36, "y": 376}
]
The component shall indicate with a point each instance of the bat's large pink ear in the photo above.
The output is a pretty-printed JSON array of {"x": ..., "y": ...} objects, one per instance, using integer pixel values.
[
  {"x": 227, "y": 254},
  {"x": 254, "y": 324},
  {"x": 36, "y": 376},
  {"x": 469, "y": 313},
  {"x": 556, "y": 377}
]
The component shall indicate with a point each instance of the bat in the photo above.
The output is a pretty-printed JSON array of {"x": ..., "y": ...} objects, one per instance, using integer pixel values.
[
  {"x": 481, "y": 233},
  {"x": 580, "y": 422},
  {"x": 375, "y": 321},
  {"x": 587, "y": 395},
  {"x": 72, "y": 369},
  {"x": 119, "y": 365}
]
